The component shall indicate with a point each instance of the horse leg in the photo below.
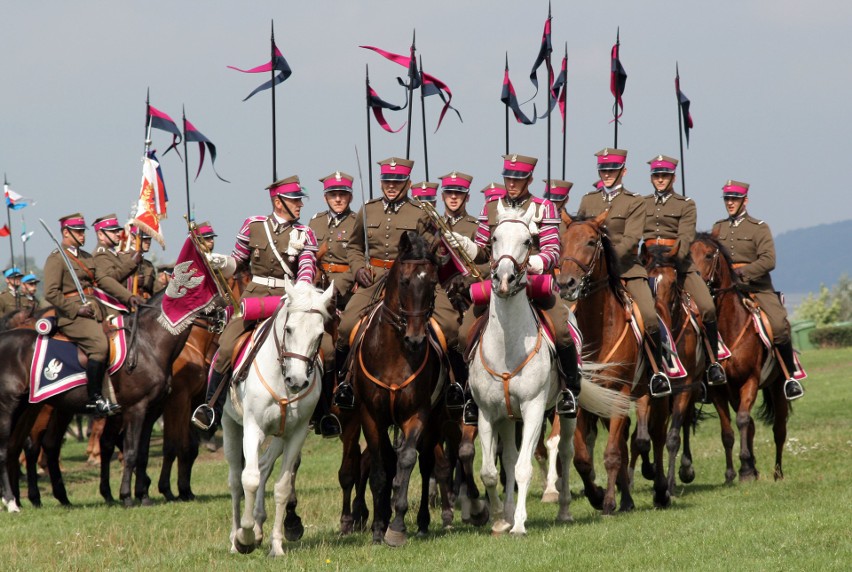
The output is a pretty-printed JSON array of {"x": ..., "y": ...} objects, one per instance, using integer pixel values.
[
  {"x": 143, "y": 481},
  {"x": 93, "y": 449},
  {"x": 507, "y": 431},
  {"x": 615, "y": 454},
  {"x": 642, "y": 437},
  {"x": 52, "y": 444},
  {"x": 380, "y": 470},
  {"x": 31, "y": 454},
  {"x": 583, "y": 460},
  {"x": 134, "y": 419},
  {"x": 687, "y": 471},
  {"x": 186, "y": 459},
  {"x": 266, "y": 464},
  {"x": 727, "y": 430},
  {"x": 293, "y": 527},
  {"x": 406, "y": 457},
  {"x": 442, "y": 475},
  {"x": 232, "y": 443},
  {"x": 673, "y": 441},
  {"x": 533, "y": 411},
  {"x": 107, "y": 440},
  {"x": 551, "y": 477},
  {"x": 566, "y": 455},
  {"x": 479, "y": 509},
  {"x": 170, "y": 447},
  {"x": 252, "y": 438},
  {"x": 488, "y": 472},
  {"x": 745, "y": 424},
  {"x": 428, "y": 457},
  {"x": 658, "y": 428},
  {"x": 285, "y": 489},
  {"x": 622, "y": 478},
  {"x": 349, "y": 471}
]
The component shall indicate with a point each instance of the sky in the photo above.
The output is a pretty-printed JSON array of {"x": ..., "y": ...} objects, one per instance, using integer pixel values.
[{"x": 768, "y": 81}]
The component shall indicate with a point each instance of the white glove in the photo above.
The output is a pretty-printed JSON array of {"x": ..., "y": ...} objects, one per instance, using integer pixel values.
[
  {"x": 227, "y": 264},
  {"x": 297, "y": 242},
  {"x": 535, "y": 264},
  {"x": 461, "y": 242}
]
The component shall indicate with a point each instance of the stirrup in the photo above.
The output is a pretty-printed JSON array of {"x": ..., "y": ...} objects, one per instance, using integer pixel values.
[
  {"x": 660, "y": 378},
  {"x": 455, "y": 396},
  {"x": 704, "y": 397},
  {"x": 720, "y": 378},
  {"x": 343, "y": 397},
  {"x": 470, "y": 414},
  {"x": 793, "y": 390},
  {"x": 566, "y": 406},
  {"x": 208, "y": 413},
  {"x": 329, "y": 426}
]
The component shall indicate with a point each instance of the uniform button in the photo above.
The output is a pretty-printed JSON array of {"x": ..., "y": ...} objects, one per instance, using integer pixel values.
[{"x": 387, "y": 236}]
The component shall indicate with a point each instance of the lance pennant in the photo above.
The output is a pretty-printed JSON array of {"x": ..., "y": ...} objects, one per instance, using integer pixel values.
[{"x": 277, "y": 63}]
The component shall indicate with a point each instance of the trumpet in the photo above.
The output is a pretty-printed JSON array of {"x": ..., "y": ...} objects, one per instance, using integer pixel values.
[{"x": 447, "y": 234}]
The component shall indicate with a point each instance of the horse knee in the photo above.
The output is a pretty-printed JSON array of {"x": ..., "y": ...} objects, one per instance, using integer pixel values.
[
  {"x": 489, "y": 476},
  {"x": 743, "y": 420},
  {"x": 673, "y": 440},
  {"x": 523, "y": 471},
  {"x": 250, "y": 479},
  {"x": 406, "y": 458}
]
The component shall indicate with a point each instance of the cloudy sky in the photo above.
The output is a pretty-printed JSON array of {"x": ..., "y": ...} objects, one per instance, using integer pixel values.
[{"x": 768, "y": 80}]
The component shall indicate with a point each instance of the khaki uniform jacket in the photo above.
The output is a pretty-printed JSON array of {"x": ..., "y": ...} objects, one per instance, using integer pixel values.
[
  {"x": 146, "y": 274},
  {"x": 58, "y": 282},
  {"x": 336, "y": 235},
  {"x": 384, "y": 229},
  {"x": 624, "y": 223},
  {"x": 467, "y": 225},
  {"x": 263, "y": 262},
  {"x": 111, "y": 271},
  {"x": 749, "y": 243},
  {"x": 673, "y": 219},
  {"x": 9, "y": 302}
]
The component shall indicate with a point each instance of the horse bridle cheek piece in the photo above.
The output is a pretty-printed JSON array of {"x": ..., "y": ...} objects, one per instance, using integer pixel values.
[
  {"x": 588, "y": 269},
  {"x": 400, "y": 321},
  {"x": 520, "y": 267}
]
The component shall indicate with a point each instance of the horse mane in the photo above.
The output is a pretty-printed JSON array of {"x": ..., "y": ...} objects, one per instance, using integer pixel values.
[
  {"x": 301, "y": 299},
  {"x": 709, "y": 237},
  {"x": 612, "y": 264}
]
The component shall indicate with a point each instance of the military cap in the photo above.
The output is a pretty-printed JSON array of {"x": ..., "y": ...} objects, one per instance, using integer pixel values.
[
  {"x": 456, "y": 181},
  {"x": 73, "y": 221},
  {"x": 30, "y": 279},
  {"x": 425, "y": 191},
  {"x": 205, "y": 229},
  {"x": 663, "y": 164},
  {"x": 289, "y": 188},
  {"x": 734, "y": 189},
  {"x": 13, "y": 272},
  {"x": 106, "y": 222},
  {"x": 518, "y": 167},
  {"x": 494, "y": 190},
  {"x": 337, "y": 181},
  {"x": 557, "y": 190},
  {"x": 611, "y": 159},
  {"x": 395, "y": 169}
]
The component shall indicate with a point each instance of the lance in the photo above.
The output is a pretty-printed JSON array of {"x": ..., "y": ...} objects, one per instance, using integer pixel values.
[
  {"x": 565, "y": 114},
  {"x": 423, "y": 115},
  {"x": 369, "y": 137},
  {"x": 363, "y": 211},
  {"x": 507, "y": 108},
  {"x": 549, "y": 112},
  {"x": 412, "y": 70},
  {"x": 680, "y": 131},
  {"x": 617, "y": 64},
  {"x": 186, "y": 165},
  {"x": 272, "y": 76},
  {"x": 9, "y": 222},
  {"x": 24, "y": 240}
]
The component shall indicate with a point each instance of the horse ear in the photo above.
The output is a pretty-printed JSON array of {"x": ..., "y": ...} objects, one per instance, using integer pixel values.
[
  {"x": 601, "y": 218},
  {"x": 566, "y": 218},
  {"x": 715, "y": 233},
  {"x": 405, "y": 241},
  {"x": 288, "y": 287},
  {"x": 501, "y": 210},
  {"x": 327, "y": 296}
]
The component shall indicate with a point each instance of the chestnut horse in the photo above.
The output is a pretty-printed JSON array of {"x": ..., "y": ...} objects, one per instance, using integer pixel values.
[
  {"x": 397, "y": 379},
  {"x": 743, "y": 368},
  {"x": 589, "y": 275}
]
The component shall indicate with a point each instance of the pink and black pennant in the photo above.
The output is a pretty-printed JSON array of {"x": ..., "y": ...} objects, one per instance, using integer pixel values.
[
  {"x": 193, "y": 135},
  {"x": 683, "y": 101},
  {"x": 277, "y": 63},
  {"x": 508, "y": 97},
  {"x": 159, "y": 120},
  {"x": 617, "y": 79},
  {"x": 543, "y": 56},
  {"x": 377, "y": 104}
]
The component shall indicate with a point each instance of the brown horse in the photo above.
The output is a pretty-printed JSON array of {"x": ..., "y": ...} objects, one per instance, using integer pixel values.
[
  {"x": 589, "y": 276},
  {"x": 397, "y": 378},
  {"x": 743, "y": 368}
]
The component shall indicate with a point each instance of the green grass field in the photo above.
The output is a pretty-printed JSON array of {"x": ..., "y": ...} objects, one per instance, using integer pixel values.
[{"x": 803, "y": 522}]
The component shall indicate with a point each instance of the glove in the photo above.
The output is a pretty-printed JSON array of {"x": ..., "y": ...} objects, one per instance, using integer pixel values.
[
  {"x": 297, "y": 242},
  {"x": 535, "y": 264},
  {"x": 134, "y": 301},
  {"x": 364, "y": 278},
  {"x": 461, "y": 242},
  {"x": 86, "y": 311},
  {"x": 227, "y": 264},
  {"x": 137, "y": 257}
]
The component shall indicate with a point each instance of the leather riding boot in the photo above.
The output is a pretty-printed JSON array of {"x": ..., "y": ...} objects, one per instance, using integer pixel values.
[
  {"x": 470, "y": 414},
  {"x": 102, "y": 407},
  {"x": 344, "y": 397},
  {"x": 454, "y": 396},
  {"x": 792, "y": 388},
  {"x": 325, "y": 422},
  {"x": 715, "y": 371},
  {"x": 204, "y": 417},
  {"x": 566, "y": 404},
  {"x": 660, "y": 386}
]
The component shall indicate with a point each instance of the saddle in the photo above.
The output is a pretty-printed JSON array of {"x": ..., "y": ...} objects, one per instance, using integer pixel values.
[
  {"x": 58, "y": 365},
  {"x": 760, "y": 322},
  {"x": 544, "y": 323}
]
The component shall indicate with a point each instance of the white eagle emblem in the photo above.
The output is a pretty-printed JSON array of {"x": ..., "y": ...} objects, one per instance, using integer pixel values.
[
  {"x": 51, "y": 371},
  {"x": 183, "y": 281}
]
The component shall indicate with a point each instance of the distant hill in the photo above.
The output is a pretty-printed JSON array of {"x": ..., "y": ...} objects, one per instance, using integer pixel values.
[{"x": 808, "y": 257}]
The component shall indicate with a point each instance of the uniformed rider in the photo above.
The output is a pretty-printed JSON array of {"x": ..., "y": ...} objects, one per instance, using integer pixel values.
[
  {"x": 544, "y": 257},
  {"x": 670, "y": 222},
  {"x": 142, "y": 280},
  {"x": 750, "y": 244},
  {"x": 10, "y": 298},
  {"x": 625, "y": 222},
  {"x": 112, "y": 266},
  {"x": 556, "y": 191},
  {"x": 29, "y": 298},
  {"x": 80, "y": 322},
  {"x": 273, "y": 248}
]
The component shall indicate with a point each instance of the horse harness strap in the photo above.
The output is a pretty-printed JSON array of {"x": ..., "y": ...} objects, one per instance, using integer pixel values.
[
  {"x": 505, "y": 377},
  {"x": 283, "y": 402},
  {"x": 393, "y": 389}
]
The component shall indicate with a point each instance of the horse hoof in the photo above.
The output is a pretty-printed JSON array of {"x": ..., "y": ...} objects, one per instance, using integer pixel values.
[
  {"x": 346, "y": 526},
  {"x": 146, "y": 501},
  {"x": 686, "y": 474},
  {"x": 648, "y": 471},
  {"x": 186, "y": 497},
  {"x": 779, "y": 474},
  {"x": 447, "y": 519},
  {"x": 128, "y": 503},
  {"x": 518, "y": 533},
  {"x": 480, "y": 518},
  {"x": 550, "y": 497},
  {"x": 421, "y": 534},
  {"x": 500, "y": 527},
  {"x": 564, "y": 518},
  {"x": 12, "y": 506},
  {"x": 596, "y": 498},
  {"x": 244, "y": 541},
  {"x": 276, "y": 550},
  {"x": 395, "y": 538},
  {"x": 665, "y": 501},
  {"x": 294, "y": 532},
  {"x": 748, "y": 477}
]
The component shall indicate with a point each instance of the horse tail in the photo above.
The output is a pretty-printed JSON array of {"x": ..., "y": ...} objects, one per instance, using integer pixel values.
[
  {"x": 600, "y": 400},
  {"x": 766, "y": 411}
]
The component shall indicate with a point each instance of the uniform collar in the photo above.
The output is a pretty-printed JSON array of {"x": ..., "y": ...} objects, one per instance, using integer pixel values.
[
  {"x": 662, "y": 197},
  {"x": 519, "y": 202},
  {"x": 735, "y": 221},
  {"x": 453, "y": 220},
  {"x": 72, "y": 250},
  {"x": 279, "y": 223},
  {"x": 336, "y": 219},
  {"x": 393, "y": 206},
  {"x": 610, "y": 193}
]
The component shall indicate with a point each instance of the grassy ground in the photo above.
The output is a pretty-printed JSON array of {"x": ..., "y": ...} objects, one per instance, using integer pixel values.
[{"x": 802, "y": 522}]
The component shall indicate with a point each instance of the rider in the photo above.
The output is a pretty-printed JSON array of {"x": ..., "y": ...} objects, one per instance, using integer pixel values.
[
  {"x": 274, "y": 248},
  {"x": 556, "y": 191},
  {"x": 387, "y": 218},
  {"x": 425, "y": 192},
  {"x": 545, "y": 254},
  {"x": 10, "y": 298},
  {"x": 145, "y": 273},
  {"x": 78, "y": 321},
  {"x": 334, "y": 228},
  {"x": 112, "y": 267},
  {"x": 670, "y": 222},
  {"x": 29, "y": 299},
  {"x": 493, "y": 191},
  {"x": 624, "y": 224},
  {"x": 204, "y": 231},
  {"x": 750, "y": 244}
]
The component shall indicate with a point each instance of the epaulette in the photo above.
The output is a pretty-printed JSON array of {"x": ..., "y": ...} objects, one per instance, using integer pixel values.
[
  {"x": 101, "y": 249},
  {"x": 592, "y": 193},
  {"x": 258, "y": 218},
  {"x": 720, "y": 221},
  {"x": 687, "y": 199},
  {"x": 319, "y": 214},
  {"x": 371, "y": 201},
  {"x": 630, "y": 193}
]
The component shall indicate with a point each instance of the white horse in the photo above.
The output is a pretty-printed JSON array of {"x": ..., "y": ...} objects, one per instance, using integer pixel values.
[
  {"x": 522, "y": 376},
  {"x": 277, "y": 399}
]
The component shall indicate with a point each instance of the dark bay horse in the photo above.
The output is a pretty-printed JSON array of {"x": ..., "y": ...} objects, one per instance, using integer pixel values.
[
  {"x": 743, "y": 368},
  {"x": 397, "y": 378},
  {"x": 589, "y": 275},
  {"x": 139, "y": 391}
]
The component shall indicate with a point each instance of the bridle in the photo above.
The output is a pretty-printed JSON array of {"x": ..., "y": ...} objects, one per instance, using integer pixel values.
[
  {"x": 283, "y": 355},
  {"x": 399, "y": 321},
  {"x": 520, "y": 268},
  {"x": 586, "y": 286}
]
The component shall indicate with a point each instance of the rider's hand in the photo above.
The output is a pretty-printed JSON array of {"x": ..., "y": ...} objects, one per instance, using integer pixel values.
[
  {"x": 134, "y": 301},
  {"x": 137, "y": 257},
  {"x": 461, "y": 242},
  {"x": 364, "y": 278},
  {"x": 86, "y": 311},
  {"x": 535, "y": 264},
  {"x": 216, "y": 260}
]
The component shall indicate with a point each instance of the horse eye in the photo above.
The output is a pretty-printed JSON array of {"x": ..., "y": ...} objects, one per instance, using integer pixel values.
[
  {"x": 528, "y": 242},
  {"x": 708, "y": 257},
  {"x": 493, "y": 240},
  {"x": 590, "y": 243}
]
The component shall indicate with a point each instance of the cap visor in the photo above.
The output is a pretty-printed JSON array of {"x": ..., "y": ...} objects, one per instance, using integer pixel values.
[
  {"x": 393, "y": 177},
  {"x": 509, "y": 174}
]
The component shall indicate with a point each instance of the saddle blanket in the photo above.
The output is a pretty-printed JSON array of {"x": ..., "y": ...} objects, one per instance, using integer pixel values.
[
  {"x": 799, "y": 374},
  {"x": 242, "y": 353},
  {"x": 722, "y": 352},
  {"x": 56, "y": 367},
  {"x": 672, "y": 366}
]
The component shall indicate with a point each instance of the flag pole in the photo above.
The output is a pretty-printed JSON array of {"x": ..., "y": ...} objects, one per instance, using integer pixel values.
[
  {"x": 412, "y": 69},
  {"x": 617, "y": 63},
  {"x": 507, "y": 109},
  {"x": 274, "y": 140},
  {"x": 369, "y": 137},
  {"x": 680, "y": 133},
  {"x": 549, "y": 93},
  {"x": 565, "y": 115},
  {"x": 24, "y": 240},
  {"x": 423, "y": 116},
  {"x": 189, "y": 216},
  {"x": 9, "y": 221}
]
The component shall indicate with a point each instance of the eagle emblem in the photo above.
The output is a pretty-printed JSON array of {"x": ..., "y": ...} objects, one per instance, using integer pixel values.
[
  {"x": 51, "y": 371},
  {"x": 183, "y": 281}
]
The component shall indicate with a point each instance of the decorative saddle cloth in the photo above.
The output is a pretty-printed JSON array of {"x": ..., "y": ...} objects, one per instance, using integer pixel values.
[
  {"x": 57, "y": 368},
  {"x": 672, "y": 366},
  {"x": 764, "y": 331},
  {"x": 691, "y": 309}
]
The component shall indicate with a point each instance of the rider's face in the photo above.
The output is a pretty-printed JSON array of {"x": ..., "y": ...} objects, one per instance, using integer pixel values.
[
  {"x": 394, "y": 189},
  {"x": 612, "y": 177},
  {"x": 454, "y": 200},
  {"x": 338, "y": 201},
  {"x": 662, "y": 181},
  {"x": 516, "y": 187},
  {"x": 734, "y": 205}
]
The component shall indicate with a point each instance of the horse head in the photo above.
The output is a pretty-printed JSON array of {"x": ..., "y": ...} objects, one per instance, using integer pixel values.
[
  {"x": 663, "y": 270},
  {"x": 712, "y": 261},
  {"x": 413, "y": 279},
  {"x": 511, "y": 244},
  {"x": 302, "y": 324},
  {"x": 583, "y": 255}
]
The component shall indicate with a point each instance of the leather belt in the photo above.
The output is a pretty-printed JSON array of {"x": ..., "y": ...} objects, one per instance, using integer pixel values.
[
  {"x": 335, "y": 268},
  {"x": 740, "y": 264},
  {"x": 661, "y": 242},
  {"x": 86, "y": 291},
  {"x": 379, "y": 263},
  {"x": 268, "y": 281}
]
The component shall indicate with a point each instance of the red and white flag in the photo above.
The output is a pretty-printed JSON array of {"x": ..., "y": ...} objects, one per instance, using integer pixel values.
[
  {"x": 191, "y": 291},
  {"x": 151, "y": 206}
]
